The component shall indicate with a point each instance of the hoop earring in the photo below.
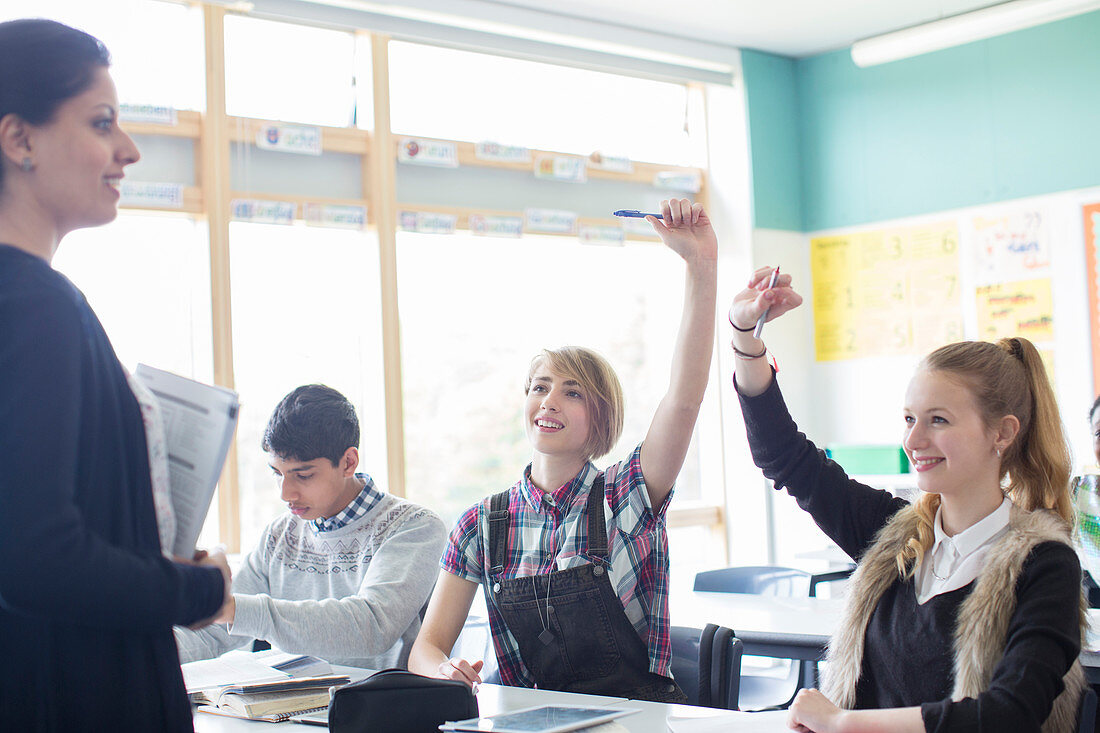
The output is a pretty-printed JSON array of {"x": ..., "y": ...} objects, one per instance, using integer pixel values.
[{"x": 27, "y": 165}]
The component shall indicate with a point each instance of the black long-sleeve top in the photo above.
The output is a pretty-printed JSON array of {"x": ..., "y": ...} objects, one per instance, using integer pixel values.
[
  {"x": 87, "y": 601},
  {"x": 908, "y": 653}
]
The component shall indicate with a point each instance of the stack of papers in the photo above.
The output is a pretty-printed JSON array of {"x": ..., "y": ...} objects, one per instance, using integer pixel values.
[{"x": 242, "y": 668}]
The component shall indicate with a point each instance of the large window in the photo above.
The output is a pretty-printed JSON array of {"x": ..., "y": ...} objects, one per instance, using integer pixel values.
[
  {"x": 440, "y": 92},
  {"x": 156, "y": 47},
  {"x": 148, "y": 279},
  {"x": 475, "y": 310},
  {"x": 305, "y": 310},
  {"x": 286, "y": 305},
  {"x": 281, "y": 71}
]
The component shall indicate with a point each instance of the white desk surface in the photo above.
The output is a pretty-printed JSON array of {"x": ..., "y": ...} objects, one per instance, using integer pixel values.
[
  {"x": 490, "y": 699},
  {"x": 749, "y": 612}
]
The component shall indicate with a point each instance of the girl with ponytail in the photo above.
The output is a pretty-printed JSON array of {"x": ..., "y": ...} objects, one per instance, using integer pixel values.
[{"x": 966, "y": 610}]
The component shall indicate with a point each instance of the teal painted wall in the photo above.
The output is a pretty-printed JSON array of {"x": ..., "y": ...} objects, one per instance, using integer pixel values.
[
  {"x": 771, "y": 97},
  {"x": 1013, "y": 116}
]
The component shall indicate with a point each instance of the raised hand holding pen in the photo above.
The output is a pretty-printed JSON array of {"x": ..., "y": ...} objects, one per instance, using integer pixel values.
[{"x": 757, "y": 301}]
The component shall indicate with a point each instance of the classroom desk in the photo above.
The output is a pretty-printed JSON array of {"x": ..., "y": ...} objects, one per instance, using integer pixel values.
[
  {"x": 768, "y": 626},
  {"x": 651, "y": 717},
  {"x": 799, "y": 628}
]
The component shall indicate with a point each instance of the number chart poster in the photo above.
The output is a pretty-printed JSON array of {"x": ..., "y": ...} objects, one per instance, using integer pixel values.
[
  {"x": 1092, "y": 257},
  {"x": 886, "y": 292}
]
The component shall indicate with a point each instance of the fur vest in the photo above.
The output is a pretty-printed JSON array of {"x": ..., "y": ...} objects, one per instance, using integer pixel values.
[{"x": 983, "y": 617}]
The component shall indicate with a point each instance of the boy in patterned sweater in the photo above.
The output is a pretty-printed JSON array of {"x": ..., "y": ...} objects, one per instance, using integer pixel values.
[{"x": 344, "y": 573}]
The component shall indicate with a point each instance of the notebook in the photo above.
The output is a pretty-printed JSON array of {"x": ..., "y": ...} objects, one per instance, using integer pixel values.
[{"x": 272, "y": 701}]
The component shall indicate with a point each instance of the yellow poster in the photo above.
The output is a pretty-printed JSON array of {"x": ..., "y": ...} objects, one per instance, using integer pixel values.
[
  {"x": 886, "y": 292},
  {"x": 1023, "y": 308}
]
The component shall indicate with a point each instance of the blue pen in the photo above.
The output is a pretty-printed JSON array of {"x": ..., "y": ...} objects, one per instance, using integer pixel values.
[{"x": 634, "y": 214}]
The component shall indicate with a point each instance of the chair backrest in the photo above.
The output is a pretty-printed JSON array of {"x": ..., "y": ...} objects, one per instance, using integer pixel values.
[
  {"x": 1086, "y": 711},
  {"x": 764, "y": 580},
  {"x": 707, "y": 665}
]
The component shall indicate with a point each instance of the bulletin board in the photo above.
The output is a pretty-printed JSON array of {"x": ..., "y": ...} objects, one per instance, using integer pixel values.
[
  {"x": 886, "y": 292},
  {"x": 1092, "y": 242}
]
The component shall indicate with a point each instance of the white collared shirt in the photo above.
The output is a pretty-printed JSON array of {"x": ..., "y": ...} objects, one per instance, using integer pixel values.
[{"x": 952, "y": 562}]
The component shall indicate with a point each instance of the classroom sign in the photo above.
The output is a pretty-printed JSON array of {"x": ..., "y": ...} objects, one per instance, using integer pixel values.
[
  {"x": 1011, "y": 246},
  {"x": 561, "y": 168},
  {"x": 144, "y": 194},
  {"x": 496, "y": 226},
  {"x": 550, "y": 221},
  {"x": 886, "y": 292},
  {"x": 335, "y": 216},
  {"x": 418, "y": 151},
  {"x": 612, "y": 163},
  {"x": 301, "y": 139},
  {"x": 488, "y": 150},
  {"x": 259, "y": 211},
  {"x": 427, "y": 222},
  {"x": 1022, "y": 308},
  {"x": 613, "y": 236},
  {"x": 678, "y": 181},
  {"x": 149, "y": 113}
]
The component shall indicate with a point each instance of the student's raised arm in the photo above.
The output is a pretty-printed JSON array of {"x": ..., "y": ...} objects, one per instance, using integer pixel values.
[
  {"x": 686, "y": 230},
  {"x": 446, "y": 615}
]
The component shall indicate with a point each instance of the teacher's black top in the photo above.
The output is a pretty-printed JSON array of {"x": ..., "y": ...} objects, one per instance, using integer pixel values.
[{"x": 87, "y": 600}]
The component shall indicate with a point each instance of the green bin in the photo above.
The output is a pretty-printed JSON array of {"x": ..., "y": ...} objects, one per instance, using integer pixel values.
[{"x": 869, "y": 459}]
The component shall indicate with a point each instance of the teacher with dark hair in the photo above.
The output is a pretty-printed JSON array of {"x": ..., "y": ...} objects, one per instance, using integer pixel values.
[{"x": 87, "y": 597}]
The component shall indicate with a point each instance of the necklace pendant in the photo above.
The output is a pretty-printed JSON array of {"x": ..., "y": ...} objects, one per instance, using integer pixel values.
[{"x": 546, "y": 637}]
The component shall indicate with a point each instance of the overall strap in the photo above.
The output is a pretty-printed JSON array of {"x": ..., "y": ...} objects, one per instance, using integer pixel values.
[
  {"x": 498, "y": 532},
  {"x": 597, "y": 529}
]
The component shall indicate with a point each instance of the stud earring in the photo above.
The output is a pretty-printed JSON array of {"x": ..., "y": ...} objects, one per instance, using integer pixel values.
[
  {"x": 998, "y": 452},
  {"x": 27, "y": 165}
]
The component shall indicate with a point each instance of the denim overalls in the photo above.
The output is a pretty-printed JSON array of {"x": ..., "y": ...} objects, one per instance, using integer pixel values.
[{"x": 572, "y": 631}]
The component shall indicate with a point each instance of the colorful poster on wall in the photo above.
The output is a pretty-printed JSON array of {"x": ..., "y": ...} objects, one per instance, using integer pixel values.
[
  {"x": 1011, "y": 246},
  {"x": 886, "y": 292},
  {"x": 1022, "y": 308},
  {"x": 1092, "y": 259}
]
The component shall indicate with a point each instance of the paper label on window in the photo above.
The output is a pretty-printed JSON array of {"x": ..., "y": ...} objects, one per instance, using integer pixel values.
[
  {"x": 152, "y": 113},
  {"x": 335, "y": 216},
  {"x": 259, "y": 211},
  {"x": 611, "y": 163},
  {"x": 428, "y": 152},
  {"x": 637, "y": 226},
  {"x": 611, "y": 236},
  {"x": 427, "y": 222},
  {"x": 151, "y": 195},
  {"x": 496, "y": 226},
  {"x": 561, "y": 168},
  {"x": 677, "y": 181},
  {"x": 301, "y": 139},
  {"x": 488, "y": 150},
  {"x": 551, "y": 221}
]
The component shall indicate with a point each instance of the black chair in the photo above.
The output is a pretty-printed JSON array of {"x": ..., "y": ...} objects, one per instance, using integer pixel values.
[
  {"x": 763, "y": 691},
  {"x": 1086, "y": 711},
  {"x": 707, "y": 665}
]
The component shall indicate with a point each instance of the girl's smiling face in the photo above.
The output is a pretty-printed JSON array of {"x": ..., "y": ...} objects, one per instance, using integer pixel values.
[
  {"x": 556, "y": 414},
  {"x": 948, "y": 443}
]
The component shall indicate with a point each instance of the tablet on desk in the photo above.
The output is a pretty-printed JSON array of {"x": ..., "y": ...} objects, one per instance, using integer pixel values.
[{"x": 544, "y": 719}]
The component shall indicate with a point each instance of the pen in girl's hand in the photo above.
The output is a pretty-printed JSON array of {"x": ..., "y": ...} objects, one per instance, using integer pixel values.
[
  {"x": 764, "y": 316},
  {"x": 634, "y": 214}
]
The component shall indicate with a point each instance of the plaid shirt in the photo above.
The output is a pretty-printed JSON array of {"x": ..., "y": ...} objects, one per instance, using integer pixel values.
[
  {"x": 358, "y": 507},
  {"x": 543, "y": 537}
]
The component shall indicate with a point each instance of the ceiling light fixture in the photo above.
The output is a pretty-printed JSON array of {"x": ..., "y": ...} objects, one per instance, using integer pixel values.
[{"x": 966, "y": 28}]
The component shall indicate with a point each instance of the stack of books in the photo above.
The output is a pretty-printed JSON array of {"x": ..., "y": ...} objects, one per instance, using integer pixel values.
[{"x": 270, "y": 701}]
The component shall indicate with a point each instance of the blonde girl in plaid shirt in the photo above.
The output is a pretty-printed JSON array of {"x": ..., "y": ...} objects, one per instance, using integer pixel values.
[{"x": 573, "y": 413}]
